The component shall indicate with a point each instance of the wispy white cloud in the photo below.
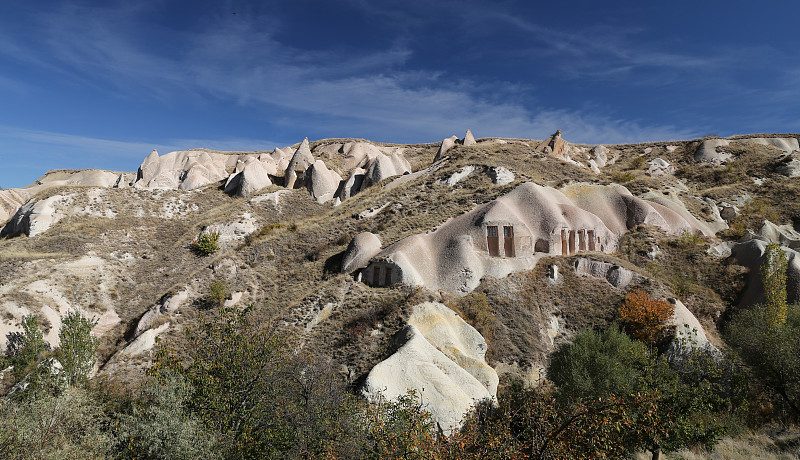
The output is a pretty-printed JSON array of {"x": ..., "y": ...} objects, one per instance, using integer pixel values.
[{"x": 337, "y": 93}]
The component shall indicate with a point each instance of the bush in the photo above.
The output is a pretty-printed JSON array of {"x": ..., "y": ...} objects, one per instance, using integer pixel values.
[
  {"x": 771, "y": 350},
  {"x": 65, "y": 426},
  {"x": 207, "y": 243},
  {"x": 217, "y": 293},
  {"x": 597, "y": 364},
  {"x": 643, "y": 316},
  {"x": 160, "y": 427}
]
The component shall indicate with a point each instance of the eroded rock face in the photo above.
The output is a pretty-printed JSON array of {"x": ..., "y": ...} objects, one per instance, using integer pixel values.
[
  {"x": 441, "y": 357},
  {"x": 511, "y": 233},
  {"x": 708, "y": 151},
  {"x": 750, "y": 254},
  {"x": 35, "y": 217},
  {"x": 361, "y": 249},
  {"x": 321, "y": 182},
  {"x": 301, "y": 160},
  {"x": 447, "y": 144},
  {"x": 615, "y": 275}
]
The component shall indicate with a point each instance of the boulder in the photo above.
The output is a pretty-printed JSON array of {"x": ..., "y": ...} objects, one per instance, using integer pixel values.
[
  {"x": 689, "y": 333},
  {"x": 554, "y": 146},
  {"x": 659, "y": 167},
  {"x": 321, "y": 182},
  {"x": 615, "y": 275},
  {"x": 361, "y": 249},
  {"x": 446, "y": 389}
]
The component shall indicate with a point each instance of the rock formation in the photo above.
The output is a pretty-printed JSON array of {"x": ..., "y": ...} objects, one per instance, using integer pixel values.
[
  {"x": 446, "y": 145},
  {"x": 301, "y": 160},
  {"x": 554, "y": 146},
  {"x": 321, "y": 182},
  {"x": 512, "y": 232},
  {"x": 441, "y": 357},
  {"x": 469, "y": 139},
  {"x": 361, "y": 249}
]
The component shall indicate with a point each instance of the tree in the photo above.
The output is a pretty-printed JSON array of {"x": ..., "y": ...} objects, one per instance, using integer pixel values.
[
  {"x": 400, "y": 429},
  {"x": 635, "y": 388},
  {"x": 643, "y": 316},
  {"x": 25, "y": 348},
  {"x": 160, "y": 427},
  {"x": 259, "y": 398},
  {"x": 77, "y": 348},
  {"x": 773, "y": 277},
  {"x": 771, "y": 350},
  {"x": 597, "y": 364}
]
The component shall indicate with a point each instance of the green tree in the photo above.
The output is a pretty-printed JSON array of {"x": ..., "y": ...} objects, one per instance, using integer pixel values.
[
  {"x": 26, "y": 348},
  {"x": 160, "y": 427},
  {"x": 773, "y": 277},
  {"x": 259, "y": 398},
  {"x": 771, "y": 350},
  {"x": 77, "y": 348},
  {"x": 665, "y": 408}
]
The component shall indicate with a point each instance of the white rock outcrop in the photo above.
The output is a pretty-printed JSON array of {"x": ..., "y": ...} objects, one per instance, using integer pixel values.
[
  {"x": 300, "y": 161},
  {"x": 446, "y": 145},
  {"x": 469, "y": 139},
  {"x": 361, "y": 249},
  {"x": 441, "y": 357},
  {"x": 513, "y": 232},
  {"x": 615, "y": 275},
  {"x": 322, "y": 182}
]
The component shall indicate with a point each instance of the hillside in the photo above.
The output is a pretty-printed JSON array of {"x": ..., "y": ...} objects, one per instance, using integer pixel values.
[{"x": 529, "y": 241}]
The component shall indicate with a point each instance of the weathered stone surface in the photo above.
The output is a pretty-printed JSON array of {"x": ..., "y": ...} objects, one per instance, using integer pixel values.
[
  {"x": 708, "y": 151},
  {"x": 383, "y": 167},
  {"x": 447, "y": 389},
  {"x": 500, "y": 175},
  {"x": 321, "y": 181},
  {"x": 35, "y": 217},
  {"x": 455, "y": 256},
  {"x": 615, "y": 275},
  {"x": 361, "y": 249},
  {"x": 659, "y": 167},
  {"x": 447, "y": 144},
  {"x": 785, "y": 235},
  {"x": 301, "y": 160},
  {"x": 750, "y": 254},
  {"x": 469, "y": 139}
]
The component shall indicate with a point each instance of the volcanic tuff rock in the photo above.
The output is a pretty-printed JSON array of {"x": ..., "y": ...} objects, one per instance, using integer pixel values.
[{"x": 442, "y": 358}]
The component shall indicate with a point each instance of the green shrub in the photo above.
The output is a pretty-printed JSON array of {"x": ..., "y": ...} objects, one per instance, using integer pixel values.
[
  {"x": 77, "y": 348},
  {"x": 206, "y": 244},
  {"x": 159, "y": 426},
  {"x": 217, "y": 293}
]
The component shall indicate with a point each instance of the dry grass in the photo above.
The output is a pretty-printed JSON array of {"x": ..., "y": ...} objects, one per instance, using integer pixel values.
[{"x": 748, "y": 446}]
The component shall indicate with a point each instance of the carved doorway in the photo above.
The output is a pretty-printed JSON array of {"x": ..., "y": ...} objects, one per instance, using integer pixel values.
[
  {"x": 493, "y": 241},
  {"x": 508, "y": 241}
]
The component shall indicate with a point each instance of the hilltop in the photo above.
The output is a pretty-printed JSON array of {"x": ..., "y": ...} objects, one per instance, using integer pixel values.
[{"x": 477, "y": 257}]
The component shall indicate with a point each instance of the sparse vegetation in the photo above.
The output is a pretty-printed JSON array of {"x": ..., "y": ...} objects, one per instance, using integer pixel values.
[{"x": 207, "y": 243}]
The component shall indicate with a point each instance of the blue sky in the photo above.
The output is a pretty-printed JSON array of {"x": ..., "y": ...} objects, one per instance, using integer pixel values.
[{"x": 100, "y": 84}]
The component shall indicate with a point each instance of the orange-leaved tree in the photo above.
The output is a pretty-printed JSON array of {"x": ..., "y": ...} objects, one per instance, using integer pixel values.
[{"x": 644, "y": 316}]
